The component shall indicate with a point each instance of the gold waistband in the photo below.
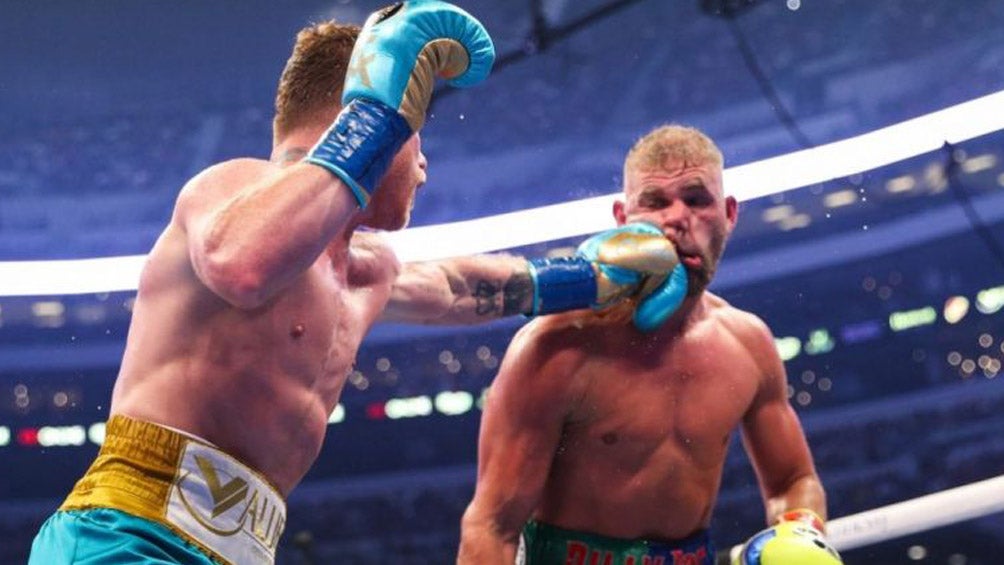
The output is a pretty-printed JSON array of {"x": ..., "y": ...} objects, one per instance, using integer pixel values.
[
  {"x": 133, "y": 472},
  {"x": 201, "y": 493}
]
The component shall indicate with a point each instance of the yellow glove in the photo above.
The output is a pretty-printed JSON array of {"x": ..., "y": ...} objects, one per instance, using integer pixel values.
[{"x": 797, "y": 539}]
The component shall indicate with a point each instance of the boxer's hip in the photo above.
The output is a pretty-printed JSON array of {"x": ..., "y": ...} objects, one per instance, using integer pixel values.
[
  {"x": 200, "y": 493},
  {"x": 99, "y": 536}
]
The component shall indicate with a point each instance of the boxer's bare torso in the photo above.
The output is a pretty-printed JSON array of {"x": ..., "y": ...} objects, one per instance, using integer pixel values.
[
  {"x": 645, "y": 434},
  {"x": 593, "y": 426},
  {"x": 258, "y": 382}
]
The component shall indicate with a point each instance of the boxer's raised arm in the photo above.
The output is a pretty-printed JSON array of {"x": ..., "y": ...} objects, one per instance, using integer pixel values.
[{"x": 252, "y": 227}]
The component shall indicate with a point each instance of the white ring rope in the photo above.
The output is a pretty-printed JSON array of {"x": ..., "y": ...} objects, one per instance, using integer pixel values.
[
  {"x": 506, "y": 231},
  {"x": 915, "y": 515},
  {"x": 918, "y": 514}
]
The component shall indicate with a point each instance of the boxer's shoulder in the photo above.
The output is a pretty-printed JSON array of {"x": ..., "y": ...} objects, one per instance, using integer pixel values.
[
  {"x": 232, "y": 172},
  {"x": 219, "y": 182}
]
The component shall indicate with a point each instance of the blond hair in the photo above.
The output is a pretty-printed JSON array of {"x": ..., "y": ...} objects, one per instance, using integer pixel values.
[
  {"x": 310, "y": 87},
  {"x": 672, "y": 143}
]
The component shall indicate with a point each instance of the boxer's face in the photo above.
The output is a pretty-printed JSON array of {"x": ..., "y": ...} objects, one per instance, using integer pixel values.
[
  {"x": 688, "y": 204},
  {"x": 390, "y": 208}
]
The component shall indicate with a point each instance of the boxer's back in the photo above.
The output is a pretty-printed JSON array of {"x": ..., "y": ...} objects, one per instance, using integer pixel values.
[{"x": 259, "y": 383}]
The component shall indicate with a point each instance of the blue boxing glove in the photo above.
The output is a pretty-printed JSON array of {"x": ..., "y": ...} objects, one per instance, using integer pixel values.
[
  {"x": 631, "y": 261},
  {"x": 659, "y": 304},
  {"x": 399, "y": 53},
  {"x": 796, "y": 538}
]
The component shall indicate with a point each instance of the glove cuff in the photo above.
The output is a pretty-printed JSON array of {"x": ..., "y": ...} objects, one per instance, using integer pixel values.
[
  {"x": 804, "y": 515},
  {"x": 360, "y": 145},
  {"x": 561, "y": 284}
]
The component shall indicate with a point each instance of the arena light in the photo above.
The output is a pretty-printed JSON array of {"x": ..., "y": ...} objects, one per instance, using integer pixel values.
[
  {"x": 788, "y": 347},
  {"x": 840, "y": 198},
  {"x": 61, "y": 436},
  {"x": 900, "y": 184},
  {"x": 909, "y": 319},
  {"x": 337, "y": 415},
  {"x": 580, "y": 217},
  {"x": 482, "y": 398},
  {"x": 454, "y": 403},
  {"x": 413, "y": 407},
  {"x": 27, "y": 437},
  {"x": 955, "y": 309},
  {"x": 990, "y": 300},
  {"x": 820, "y": 341},
  {"x": 979, "y": 163},
  {"x": 96, "y": 433}
]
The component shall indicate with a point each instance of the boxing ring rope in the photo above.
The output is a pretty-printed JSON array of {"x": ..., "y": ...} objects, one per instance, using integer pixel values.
[
  {"x": 919, "y": 514},
  {"x": 548, "y": 223}
]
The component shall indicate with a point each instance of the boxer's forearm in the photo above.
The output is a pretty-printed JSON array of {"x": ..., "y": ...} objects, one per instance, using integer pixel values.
[{"x": 462, "y": 290}]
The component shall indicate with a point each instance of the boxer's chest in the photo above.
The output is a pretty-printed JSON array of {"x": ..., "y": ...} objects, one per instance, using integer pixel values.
[{"x": 691, "y": 394}]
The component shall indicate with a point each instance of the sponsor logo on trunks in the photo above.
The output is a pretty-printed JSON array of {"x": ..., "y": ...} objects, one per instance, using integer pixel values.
[
  {"x": 579, "y": 553},
  {"x": 225, "y": 506},
  {"x": 225, "y": 496}
]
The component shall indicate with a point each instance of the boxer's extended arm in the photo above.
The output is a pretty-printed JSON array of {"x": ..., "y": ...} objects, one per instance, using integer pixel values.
[
  {"x": 463, "y": 290},
  {"x": 631, "y": 261},
  {"x": 520, "y": 433},
  {"x": 252, "y": 227}
]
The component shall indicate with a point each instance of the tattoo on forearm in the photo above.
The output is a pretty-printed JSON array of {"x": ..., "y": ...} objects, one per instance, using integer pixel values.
[
  {"x": 508, "y": 298},
  {"x": 291, "y": 155},
  {"x": 517, "y": 295},
  {"x": 486, "y": 297}
]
